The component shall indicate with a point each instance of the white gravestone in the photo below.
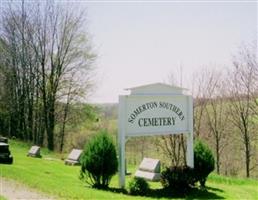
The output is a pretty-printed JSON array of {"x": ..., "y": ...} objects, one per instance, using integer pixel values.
[
  {"x": 74, "y": 157},
  {"x": 34, "y": 152},
  {"x": 149, "y": 169}
]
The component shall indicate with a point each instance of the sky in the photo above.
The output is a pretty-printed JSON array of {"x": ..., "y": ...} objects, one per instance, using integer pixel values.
[
  {"x": 144, "y": 42},
  {"x": 140, "y": 43}
]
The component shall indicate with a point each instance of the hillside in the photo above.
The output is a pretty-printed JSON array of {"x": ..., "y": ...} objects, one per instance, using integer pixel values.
[{"x": 49, "y": 175}]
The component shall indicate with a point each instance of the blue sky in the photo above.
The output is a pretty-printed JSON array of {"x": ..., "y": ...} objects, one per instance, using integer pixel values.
[{"x": 142, "y": 43}]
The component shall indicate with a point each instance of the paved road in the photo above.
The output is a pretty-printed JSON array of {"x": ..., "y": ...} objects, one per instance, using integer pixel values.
[{"x": 15, "y": 191}]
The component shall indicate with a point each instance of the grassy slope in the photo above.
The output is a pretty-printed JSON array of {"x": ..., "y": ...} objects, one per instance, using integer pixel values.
[{"x": 54, "y": 178}]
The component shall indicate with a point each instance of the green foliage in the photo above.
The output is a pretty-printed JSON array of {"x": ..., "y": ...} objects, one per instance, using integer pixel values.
[
  {"x": 90, "y": 112},
  {"x": 99, "y": 161},
  {"x": 204, "y": 162},
  {"x": 2, "y": 198},
  {"x": 138, "y": 186},
  {"x": 54, "y": 178},
  {"x": 178, "y": 178},
  {"x": 181, "y": 178}
]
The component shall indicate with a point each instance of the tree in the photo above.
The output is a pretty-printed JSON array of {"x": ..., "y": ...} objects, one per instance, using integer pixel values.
[
  {"x": 242, "y": 104},
  {"x": 17, "y": 68},
  {"x": 216, "y": 112},
  {"x": 200, "y": 101},
  {"x": 174, "y": 146},
  {"x": 62, "y": 54},
  {"x": 48, "y": 60}
]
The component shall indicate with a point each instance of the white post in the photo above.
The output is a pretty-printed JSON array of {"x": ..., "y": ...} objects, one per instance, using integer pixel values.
[
  {"x": 190, "y": 153},
  {"x": 121, "y": 140}
]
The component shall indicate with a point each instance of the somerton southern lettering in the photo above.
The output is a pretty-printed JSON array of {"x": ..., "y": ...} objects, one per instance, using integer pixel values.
[
  {"x": 158, "y": 121},
  {"x": 172, "y": 107},
  {"x": 140, "y": 109}
]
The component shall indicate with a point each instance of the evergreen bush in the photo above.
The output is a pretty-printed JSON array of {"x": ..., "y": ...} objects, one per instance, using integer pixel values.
[
  {"x": 99, "y": 161},
  {"x": 138, "y": 186},
  {"x": 178, "y": 178},
  {"x": 204, "y": 162}
]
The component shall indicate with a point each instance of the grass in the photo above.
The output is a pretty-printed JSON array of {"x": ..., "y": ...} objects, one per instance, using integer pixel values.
[{"x": 52, "y": 177}]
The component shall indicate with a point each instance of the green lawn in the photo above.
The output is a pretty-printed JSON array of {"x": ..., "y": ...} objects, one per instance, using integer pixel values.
[{"x": 52, "y": 177}]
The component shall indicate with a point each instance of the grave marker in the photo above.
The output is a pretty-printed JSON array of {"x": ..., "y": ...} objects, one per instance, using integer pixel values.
[
  {"x": 151, "y": 165},
  {"x": 4, "y": 139},
  {"x": 149, "y": 169},
  {"x": 74, "y": 157},
  {"x": 34, "y": 152}
]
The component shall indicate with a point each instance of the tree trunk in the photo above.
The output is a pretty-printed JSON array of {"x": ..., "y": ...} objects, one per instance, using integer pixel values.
[
  {"x": 217, "y": 155},
  {"x": 247, "y": 156},
  {"x": 51, "y": 125},
  {"x": 62, "y": 135}
]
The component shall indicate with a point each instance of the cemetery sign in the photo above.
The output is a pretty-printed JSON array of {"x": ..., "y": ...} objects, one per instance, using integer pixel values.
[
  {"x": 148, "y": 115},
  {"x": 155, "y": 109}
]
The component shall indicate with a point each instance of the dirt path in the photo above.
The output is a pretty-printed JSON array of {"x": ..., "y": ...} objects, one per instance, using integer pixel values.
[{"x": 12, "y": 190}]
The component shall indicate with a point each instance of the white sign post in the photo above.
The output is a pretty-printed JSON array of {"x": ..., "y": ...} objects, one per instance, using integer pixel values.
[{"x": 155, "y": 109}]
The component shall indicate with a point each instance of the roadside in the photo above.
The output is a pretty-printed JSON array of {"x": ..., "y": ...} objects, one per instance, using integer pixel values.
[{"x": 12, "y": 190}]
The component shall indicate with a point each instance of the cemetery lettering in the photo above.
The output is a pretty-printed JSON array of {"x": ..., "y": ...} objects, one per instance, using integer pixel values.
[
  {"x": 156, "y": 121},
  {"x": 159, "y": 121}
]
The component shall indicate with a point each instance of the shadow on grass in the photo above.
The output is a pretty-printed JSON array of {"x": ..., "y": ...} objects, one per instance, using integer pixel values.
[
  {"x": 193, "y": 193},
  {"x": 117, "y": 190},
  {"x": 214, "y": 189},
  {"x": 209, "y": 193},
  {"x": 110, "y": 189}
]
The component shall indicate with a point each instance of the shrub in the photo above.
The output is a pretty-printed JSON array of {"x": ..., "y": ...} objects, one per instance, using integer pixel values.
[
  {"x": 99, "y": 161},
  {"x": 178, "y": 178},
  {"x": 138, "y": 186},
  {"x": 203, "y": 162}
]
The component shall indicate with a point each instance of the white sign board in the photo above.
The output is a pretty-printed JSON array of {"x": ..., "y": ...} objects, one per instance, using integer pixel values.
[
  {"x": 152, "y": 115},
  {"x": 155, "y": 109}
]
